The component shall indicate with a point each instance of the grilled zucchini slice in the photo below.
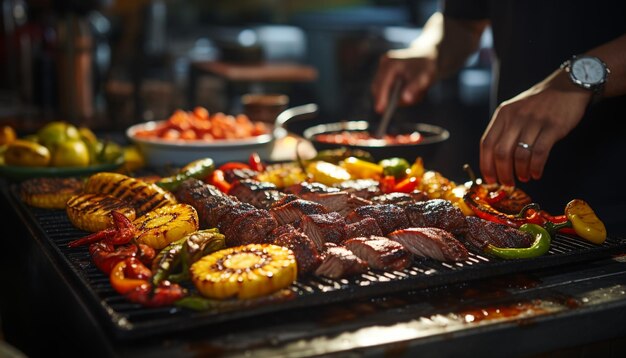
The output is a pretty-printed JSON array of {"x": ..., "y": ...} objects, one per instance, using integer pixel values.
[
  {"x": 247, "y": 271},
  {"x": 92, "y": 212},
  {"x": 49, "y": 193},
  {"x": 166, "y": 224},
  {"x": 143, "y": 196}
]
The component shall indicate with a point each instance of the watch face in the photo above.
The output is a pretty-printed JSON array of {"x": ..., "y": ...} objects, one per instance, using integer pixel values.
[{"x": 588, "y": 71}]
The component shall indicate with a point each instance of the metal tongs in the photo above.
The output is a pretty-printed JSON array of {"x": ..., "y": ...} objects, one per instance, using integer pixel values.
[{"x": 390, "y": 110}]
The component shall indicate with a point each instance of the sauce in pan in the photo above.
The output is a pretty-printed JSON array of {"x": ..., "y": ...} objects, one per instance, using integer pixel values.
[{"x": 363, "y": 138}]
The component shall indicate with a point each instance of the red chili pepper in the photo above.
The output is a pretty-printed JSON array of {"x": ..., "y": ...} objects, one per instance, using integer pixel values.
[
  {"x": 121, "y": 234},
  {"x": 388, "y": 184},
  {"x": 495, "y": 196},
  {"x": 558, "y": 220},
  {"x": 255, "y": 162},
  {"x": 232, "y": 166},
  {"x": 128, "y": 275},
  {"x": 218, "y": 180},
  {"x": 475, "y": 200},
  {"x": 406, "y": 185},
  {"x": 106, "y": 256},
  {"x": 165, "y": 294}
]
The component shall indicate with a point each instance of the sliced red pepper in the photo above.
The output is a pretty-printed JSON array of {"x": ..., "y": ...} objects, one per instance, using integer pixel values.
[
  {"x": 388, "y": 184},
  {"x": 128, "y": 275},
  {"x": 255, "y": 162},
  {"x": 123, "y": 232},
  {"x": 218, "y": 180},
  {"x": 165, "y": 294},
  {"x": 495, "y": 196},
  {"x": 233, "y": 165},
  {"x": 406, "y": 185}
]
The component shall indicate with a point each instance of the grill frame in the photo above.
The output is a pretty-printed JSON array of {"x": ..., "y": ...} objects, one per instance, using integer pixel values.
[{"x": 129, "y": 321}]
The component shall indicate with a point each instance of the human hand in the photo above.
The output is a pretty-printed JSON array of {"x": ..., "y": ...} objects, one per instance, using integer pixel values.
[
  {"x": 538, "y": 117},
  {"x": 415, "y": 68}
]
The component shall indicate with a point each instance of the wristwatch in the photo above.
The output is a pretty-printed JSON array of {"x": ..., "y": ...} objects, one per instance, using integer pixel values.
[{"x": 587, "y": 72}]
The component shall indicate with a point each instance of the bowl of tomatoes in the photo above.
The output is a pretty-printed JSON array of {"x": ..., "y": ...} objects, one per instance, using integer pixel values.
[{"x": 189, "y": 135}]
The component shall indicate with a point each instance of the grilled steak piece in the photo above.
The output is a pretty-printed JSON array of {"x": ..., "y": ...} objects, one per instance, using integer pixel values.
[
  {"x": 252, "y": 227},
  {"x": 365, "y": 227},
  {"x": 379, "y": 252},
  {"x": 431, "y": 242},
  {"x": 304, "y": 188},
  {"x": 339, "y": 262},
  {"x": 206, "y": 199},
  {"x": 294, "y": 210},
  {"x": 321, "y": 228},
  {"x": 400, "y": 199},
  {"x": 225, "y": 215},
  {"x": 388, "y": 217},
  {"x": 307, "y": 256},
  {"x": 260, "y": 194},
  {"x": 363, "y": 188},
  {"x": 233, "y": 175},
  {"x": 436, "y": 213},
  {"x": 482, "y": 232}
]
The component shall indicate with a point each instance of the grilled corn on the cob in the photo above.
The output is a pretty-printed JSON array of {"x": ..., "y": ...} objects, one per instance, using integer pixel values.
[
  {"x": 92, "y": 212},
  {"x": 143, "y": 196},
  {"x": 162, "y": 226},
  {"x": 49, "y": 193},
  {"x": 244, "y": 271}
]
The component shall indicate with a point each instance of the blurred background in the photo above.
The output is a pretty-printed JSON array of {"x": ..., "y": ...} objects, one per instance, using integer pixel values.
[{"x": 112, "y": 63}]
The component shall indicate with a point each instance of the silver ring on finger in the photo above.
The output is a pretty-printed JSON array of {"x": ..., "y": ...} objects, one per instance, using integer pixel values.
[{"x": 525, "y": 146}]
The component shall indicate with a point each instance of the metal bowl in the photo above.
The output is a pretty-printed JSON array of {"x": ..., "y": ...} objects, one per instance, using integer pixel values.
[
  {"x": 432, "y": 135},
  {"x": 162, "y": 152}
]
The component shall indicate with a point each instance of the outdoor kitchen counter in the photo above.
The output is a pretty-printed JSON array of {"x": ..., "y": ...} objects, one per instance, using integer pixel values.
[{"x": 577, "y": 309}]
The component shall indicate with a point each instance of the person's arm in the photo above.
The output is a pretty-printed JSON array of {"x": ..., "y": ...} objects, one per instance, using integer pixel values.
[
  {"x": 540, "y": 117},
  {"x": 442, "y": 48}
]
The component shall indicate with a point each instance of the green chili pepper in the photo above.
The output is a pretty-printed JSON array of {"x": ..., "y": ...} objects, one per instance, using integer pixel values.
[
  {"x": 198, "y": 169},
  {"x": 397, "y": 167},
  {"x": 196, "y": 246},
  {"x": 166, "y": 261},
  {"x": 539, "y": 247}
]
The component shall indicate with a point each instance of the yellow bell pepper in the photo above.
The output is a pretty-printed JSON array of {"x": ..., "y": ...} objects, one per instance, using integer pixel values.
[
  {"x": 361, "y": 169},
  {"x": 327, "y": 173}
]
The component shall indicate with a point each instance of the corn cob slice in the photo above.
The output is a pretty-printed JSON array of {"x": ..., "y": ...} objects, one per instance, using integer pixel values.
[
  {"x": 92, "y": 212},
  {"x": 49, "y": 193},
  {"x": 247, "y": 271},
  {"x": 143, "y": 196},
  {"x": 162, "y": 226}
]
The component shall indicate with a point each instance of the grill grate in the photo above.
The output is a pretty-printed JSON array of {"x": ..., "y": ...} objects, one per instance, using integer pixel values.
[{"x": 129, "y": 321}]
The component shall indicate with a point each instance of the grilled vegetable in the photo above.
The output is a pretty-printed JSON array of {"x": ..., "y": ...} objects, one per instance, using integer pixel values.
[
  {"x": 166, "y": 224},
  {"x": 123, "y": 232},
  {"x": 198, "y": 169},
  {"x": 397, "y": 167},
  {"x": 143, "y": 196},
  {"x": 581, "y": 219},
  {"x": 244, "y": 271},
  {"x": 49, "y": 193},
  {"x": 105, "y": 256},
  {"x": 327, "y": 173},
  {"x": 361, "y": 169},
  {"x": 283, "y": 174},
  {"x": 92, "y": 212},
  {"x": 539, "y": 247},
  {"x": 336, "y": 155},
  {"x": 174, "y": 260}
]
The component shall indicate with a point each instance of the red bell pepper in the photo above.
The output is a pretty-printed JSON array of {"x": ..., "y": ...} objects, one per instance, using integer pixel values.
[
  {"x": 218, "y": 180},
  {"x": 255, "y": 162},
  {"x": 232, "y": 166},
  {"x": 406, "y": 185},
  {"x": 128, "y": 275},
  {"x": 388, "y": 184}
]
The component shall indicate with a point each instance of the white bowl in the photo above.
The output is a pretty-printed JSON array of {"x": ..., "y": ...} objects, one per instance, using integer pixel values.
[{"x": 161, "y": 152}]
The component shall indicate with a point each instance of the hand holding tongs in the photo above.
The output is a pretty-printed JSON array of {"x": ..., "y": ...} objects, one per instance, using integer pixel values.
[{"x": 390, "y": 110}]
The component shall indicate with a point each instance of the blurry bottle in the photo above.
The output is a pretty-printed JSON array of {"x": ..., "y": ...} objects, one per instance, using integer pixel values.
[{"x": 74, "y": 67}]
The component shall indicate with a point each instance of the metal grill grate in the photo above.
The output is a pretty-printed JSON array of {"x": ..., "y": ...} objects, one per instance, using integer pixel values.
[{"x": 128, "y": 320}]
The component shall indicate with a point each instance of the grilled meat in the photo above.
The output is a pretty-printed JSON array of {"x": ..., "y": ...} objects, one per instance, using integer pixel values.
[
  {"x": 379, "y": 252},
  {"x": 321, "y": 228},
  {"x": 400, "y": 199},
  {"x": 295, "y": 209},
  {"x": 233, "y": 175},
  {"x": 363, "y": 188},
  {"x": 205, "y": 198},
  {"x": 481, "y": 232},
  {"x": 253, "y": 227},
  {"x": 431, "y": 242},
  {"x": 260, "y": 194},
  {"x": 307, "y": 255},
  {"x": 388, "y": 217},
  {"x": 304, "y": 188},
  {"x": 339, "y": 262},
  {"x": 365, "y": 227},
  {"x": 436, "y": 213}
]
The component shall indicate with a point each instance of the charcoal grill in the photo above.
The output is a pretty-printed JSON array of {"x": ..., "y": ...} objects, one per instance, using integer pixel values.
[{"x": 128, "y": 321}]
